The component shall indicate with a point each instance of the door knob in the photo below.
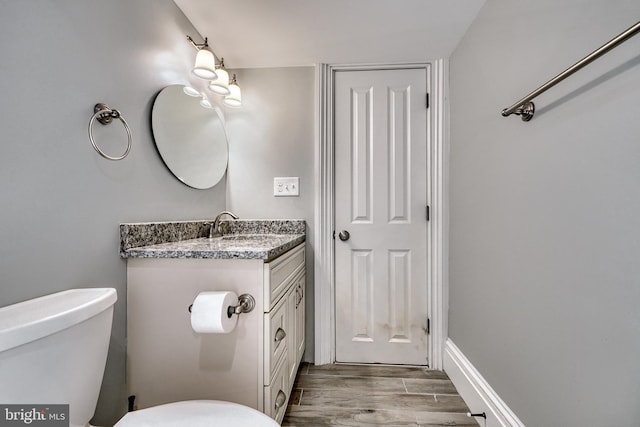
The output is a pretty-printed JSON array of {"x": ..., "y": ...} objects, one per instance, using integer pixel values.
[{"x": 344, "y": 235}]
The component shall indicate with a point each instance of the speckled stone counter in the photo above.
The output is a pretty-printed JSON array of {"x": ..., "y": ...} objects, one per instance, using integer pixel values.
[{"x": 242, "y": 239}]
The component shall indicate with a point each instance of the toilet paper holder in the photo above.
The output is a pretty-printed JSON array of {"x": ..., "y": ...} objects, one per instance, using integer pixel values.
[{"x": 246, "y": 303}]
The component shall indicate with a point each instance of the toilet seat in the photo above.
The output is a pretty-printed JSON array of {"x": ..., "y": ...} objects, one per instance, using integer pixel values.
[{"x": 197, "y": 413}]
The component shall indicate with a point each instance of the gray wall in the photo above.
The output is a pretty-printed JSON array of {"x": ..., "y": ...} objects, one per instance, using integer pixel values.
[
  {"x": 61, "y": 202},
  {"x": 272, "y": 135},
  {"x": 544, "y": 231}
]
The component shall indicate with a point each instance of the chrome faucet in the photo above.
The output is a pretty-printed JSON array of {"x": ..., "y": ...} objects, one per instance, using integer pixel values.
[{"x": 214, "y": 230}]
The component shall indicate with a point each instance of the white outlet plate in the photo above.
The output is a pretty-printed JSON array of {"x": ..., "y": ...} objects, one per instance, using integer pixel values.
[{"x": 286, "y": 186}]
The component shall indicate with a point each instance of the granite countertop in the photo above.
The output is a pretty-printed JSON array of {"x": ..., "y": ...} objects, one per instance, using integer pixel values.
[{"x": 243, "y": 239}]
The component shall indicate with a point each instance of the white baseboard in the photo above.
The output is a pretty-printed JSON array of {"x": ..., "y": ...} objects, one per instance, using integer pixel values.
[{"x": 476, "y": 391}]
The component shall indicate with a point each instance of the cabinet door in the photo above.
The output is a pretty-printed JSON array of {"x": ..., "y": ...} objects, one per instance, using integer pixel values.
[
  {"x": 300, "y": 318},
  {"x": 292, "y": 302},
  {"x": 295, "y": 304}
]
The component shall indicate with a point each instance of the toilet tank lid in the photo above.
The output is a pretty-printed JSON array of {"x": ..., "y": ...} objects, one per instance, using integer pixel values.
[{"x": 33, "y": 319}]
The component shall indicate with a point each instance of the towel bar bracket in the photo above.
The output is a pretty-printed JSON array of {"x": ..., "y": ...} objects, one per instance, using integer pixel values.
[
  {"x": 525, "y": 111},
  {"x": 525, "y": 108}
]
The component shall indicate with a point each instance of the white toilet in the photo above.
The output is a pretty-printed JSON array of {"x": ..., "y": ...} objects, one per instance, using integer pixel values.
[{"x": 53, "y": 350}]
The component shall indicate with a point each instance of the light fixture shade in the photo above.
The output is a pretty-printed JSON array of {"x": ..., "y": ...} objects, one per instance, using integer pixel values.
[
  {"x": 221, "y": 85},
  {"x": 205, "y": 103},
  {"x": 234, "y": 99},
  {"x": 205, "y": 66}
]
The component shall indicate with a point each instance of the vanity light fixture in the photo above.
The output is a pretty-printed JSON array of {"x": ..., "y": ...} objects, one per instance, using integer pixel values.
[
  {"x": 234, "y": 99},
  {"x": 220, "y": 86},
  {"x": 205, "y": 66}
]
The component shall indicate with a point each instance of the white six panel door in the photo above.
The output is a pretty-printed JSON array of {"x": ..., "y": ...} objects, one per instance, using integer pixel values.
[{"x": 380, "y": 200}]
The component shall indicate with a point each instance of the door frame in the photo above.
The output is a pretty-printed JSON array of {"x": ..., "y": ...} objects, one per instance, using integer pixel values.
[{"x": 324, "y": 215}]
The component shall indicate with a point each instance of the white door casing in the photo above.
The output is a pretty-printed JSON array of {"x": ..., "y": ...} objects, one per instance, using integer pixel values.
[
  {"x": 381, "y": 271},
  {"x": 324, "y": 222}
]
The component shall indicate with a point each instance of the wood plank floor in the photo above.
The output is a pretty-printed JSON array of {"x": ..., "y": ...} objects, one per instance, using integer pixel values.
[{"x": 356, "y": 395}]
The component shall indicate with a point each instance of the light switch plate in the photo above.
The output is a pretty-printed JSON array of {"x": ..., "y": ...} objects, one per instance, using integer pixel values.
[{"x": 286, "y": 186}]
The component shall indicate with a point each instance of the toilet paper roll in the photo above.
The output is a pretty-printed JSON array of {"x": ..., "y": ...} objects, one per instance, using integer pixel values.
[{"x": 209, "y": 312}]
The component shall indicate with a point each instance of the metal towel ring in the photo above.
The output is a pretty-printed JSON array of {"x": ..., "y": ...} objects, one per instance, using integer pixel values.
[{"x": 105, "y": 115}]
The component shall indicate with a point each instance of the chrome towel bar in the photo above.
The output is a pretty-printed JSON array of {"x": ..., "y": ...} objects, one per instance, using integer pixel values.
[{"x": 525, "y": 108}]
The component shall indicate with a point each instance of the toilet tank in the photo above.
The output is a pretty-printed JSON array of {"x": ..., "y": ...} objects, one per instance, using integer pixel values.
[{"x": 53, "y": 350}]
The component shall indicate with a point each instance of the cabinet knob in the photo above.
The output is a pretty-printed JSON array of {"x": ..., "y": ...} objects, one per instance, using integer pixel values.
[
  {"x": 280, "y": 334},
  {"x": 281, "y": 398}
]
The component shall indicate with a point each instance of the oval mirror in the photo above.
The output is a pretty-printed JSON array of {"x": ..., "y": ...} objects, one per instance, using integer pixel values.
[{"x": 190, "y": 138}]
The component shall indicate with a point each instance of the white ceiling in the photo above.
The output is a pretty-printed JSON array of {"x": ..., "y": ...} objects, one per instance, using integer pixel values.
[{"x": 283, "y": 33}]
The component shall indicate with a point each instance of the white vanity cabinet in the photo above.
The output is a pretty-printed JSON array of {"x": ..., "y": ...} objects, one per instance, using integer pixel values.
[{"x": 254, "y": 365}]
